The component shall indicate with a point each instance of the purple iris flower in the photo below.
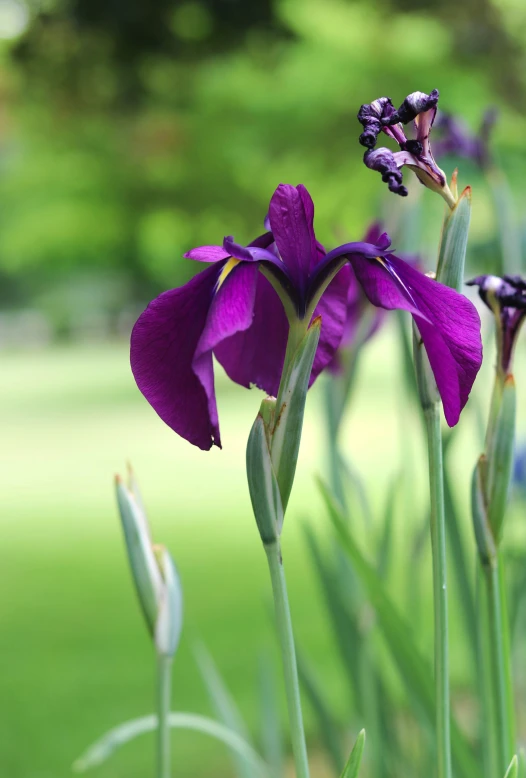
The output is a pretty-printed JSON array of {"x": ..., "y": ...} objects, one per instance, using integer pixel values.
[
  {"x": 506, "y": 297},
  {"x": 455, "y": 138},
  {"x": 240, "y": 308},
  {"x": 381, "y": 116}
]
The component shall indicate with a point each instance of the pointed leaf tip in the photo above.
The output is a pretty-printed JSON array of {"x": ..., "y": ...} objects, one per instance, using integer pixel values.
[
  {"x": 513, "y": 769},
  {"x": 352, "y": 768}
]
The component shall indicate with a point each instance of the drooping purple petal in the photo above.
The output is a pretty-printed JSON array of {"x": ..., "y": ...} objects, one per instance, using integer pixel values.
[
  {"x": 333, "y": 311},
  {"x": 163, "y": 343},
  {"x": 291, "y": 215},
  {"x": 448, "y": 323},
  {"x": 231, "y": 311},
  {"x": 387, "y": 164}
]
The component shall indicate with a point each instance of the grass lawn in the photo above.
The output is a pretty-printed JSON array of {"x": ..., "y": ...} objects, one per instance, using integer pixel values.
[{"x": 75, "y": 656}]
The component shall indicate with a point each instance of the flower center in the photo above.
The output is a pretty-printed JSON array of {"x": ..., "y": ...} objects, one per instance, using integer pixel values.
[{"x": 227, "y": 269}]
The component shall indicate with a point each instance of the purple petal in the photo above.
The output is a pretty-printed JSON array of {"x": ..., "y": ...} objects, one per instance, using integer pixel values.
[
  {"x": 448, "y": 322},
  {"x": 163, "y": 343},
  {"x": 255, "y": 356},
  {"x": 291, "y": 214},
  {"x": 333, "y": 311},
  {"x": 207, "y": 254}
]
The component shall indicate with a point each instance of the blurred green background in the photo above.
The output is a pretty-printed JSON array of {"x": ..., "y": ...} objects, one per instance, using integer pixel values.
[{"x": 130, "y": 132}]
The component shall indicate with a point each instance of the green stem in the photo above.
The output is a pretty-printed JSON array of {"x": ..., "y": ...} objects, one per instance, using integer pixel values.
[
  {"x": 288, "y": 655},
  {"x": 438, "y": 546},
  {"x": 499, "y": 652},
  {"x": 485, "y": 681},
  {"x": 164, "y": 685}
]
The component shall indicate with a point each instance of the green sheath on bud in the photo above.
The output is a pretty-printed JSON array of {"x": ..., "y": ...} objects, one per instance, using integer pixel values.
[
  {"x": 499, "y": 453},
  {"x": 170, "y": 619},
  {"x": 153, "y": 571},
  {"x": 452, "y": 252},
  {"x": 262, "y": 482},
  {"x": 145, "y": 570},
  {"x": 290, "y": 408},
  {"x": 479, "y": 510}
]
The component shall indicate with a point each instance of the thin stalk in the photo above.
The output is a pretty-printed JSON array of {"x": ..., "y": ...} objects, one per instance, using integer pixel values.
[
  {"x": 164, "y": 685},
  {"x": 499, "y": 645},
  {"x": 438, "y": 546},
  {"x": 485, "y": 681},
  {"x": 288, "y": 656}
]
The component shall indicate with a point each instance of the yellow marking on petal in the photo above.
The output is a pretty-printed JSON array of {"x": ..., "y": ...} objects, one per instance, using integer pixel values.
[{"x": 230, "y": 265}]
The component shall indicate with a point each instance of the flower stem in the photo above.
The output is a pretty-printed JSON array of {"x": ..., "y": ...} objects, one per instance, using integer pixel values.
[
  {"x": 438, "y": 546},
  {"x": 288, "y": 655},
  {"x": 499, "y": 654},
  {"x": 164, "y": 679}
]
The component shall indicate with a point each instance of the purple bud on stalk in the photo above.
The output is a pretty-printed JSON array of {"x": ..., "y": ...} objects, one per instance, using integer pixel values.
[{"x": 506, "y": 298}]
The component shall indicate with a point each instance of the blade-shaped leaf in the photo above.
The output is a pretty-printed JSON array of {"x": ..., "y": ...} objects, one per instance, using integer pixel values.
[
  {"x": 413, "y": 667},
  {"x": 327, "y": 726},
  {"x": 224, "y": 706},
  {"x": 513, "y": 769},
  {"x": 290, "y": 408},
  {"x": 453, "y": 243},
  {"x": 352, "y": 768},
  {"x": 97, "y": 753}
]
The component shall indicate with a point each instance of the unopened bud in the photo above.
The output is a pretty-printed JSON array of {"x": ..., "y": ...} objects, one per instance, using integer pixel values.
[
  {"x": 263, "y": 484},
  {"x": 153, "y": 571}
]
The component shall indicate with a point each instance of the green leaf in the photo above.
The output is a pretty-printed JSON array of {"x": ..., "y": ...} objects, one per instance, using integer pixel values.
[
  {"x": 522, "y": 763},
  {"x": 263, "y": 484},
  {"x": 462, "y": 560},
  {"x": 500, "y": 458},
  {"x": 348, "y": 637},
  {"x": 290, "y": 408},
  {"x": 453, "y": 243},
  {"x": 479, "y": 513},
  {"x": 352, "y": 768},
  {"x": 100, "y": 751},
  {"x": 509, "y": 234},
  {"x": 412, "y": 666},
  {"x": 386, "y": 540},
  {"x": 513, "y": 769},
  {"x": 330, "y": 735},
  {"x": 224, "y": 706}
]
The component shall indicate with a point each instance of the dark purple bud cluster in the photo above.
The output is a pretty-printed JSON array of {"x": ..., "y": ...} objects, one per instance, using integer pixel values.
[{"x": 381, "y": 116}]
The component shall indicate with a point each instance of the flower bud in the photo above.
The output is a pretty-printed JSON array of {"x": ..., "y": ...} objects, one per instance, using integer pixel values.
[
  {"x": 262, "y": 481},
  {"x": 153, "y": 571}
]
